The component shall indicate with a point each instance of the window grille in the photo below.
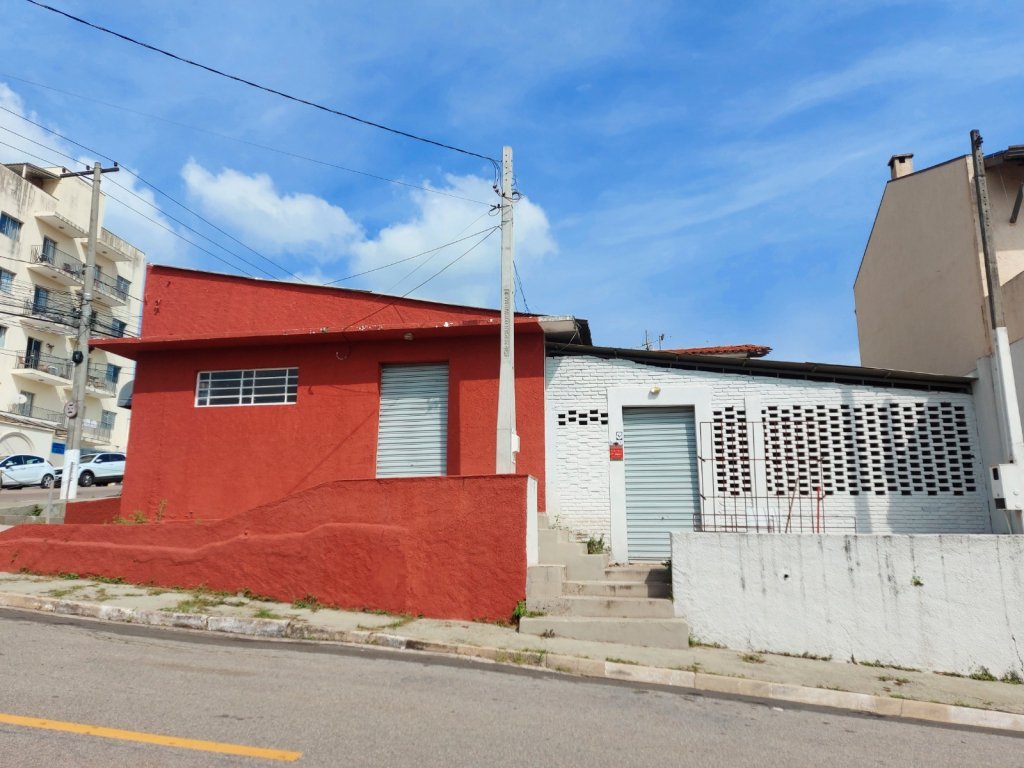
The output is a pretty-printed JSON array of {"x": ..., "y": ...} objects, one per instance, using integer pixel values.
[
  {"x": 261, "y": 386},
  {"x": 582, "y": 417}
]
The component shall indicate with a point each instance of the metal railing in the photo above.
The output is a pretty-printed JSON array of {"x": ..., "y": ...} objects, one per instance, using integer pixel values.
[
  {"x": 58, "y": 260},
  {"x": 51, "y": 364},
  {"x": 738, "y": 496},
  {"x": 98, "y": 377},
  {"x": 112, "y": 289},
  {"x": 51, "y": 313},
  {"x": 32, "y": 412}
]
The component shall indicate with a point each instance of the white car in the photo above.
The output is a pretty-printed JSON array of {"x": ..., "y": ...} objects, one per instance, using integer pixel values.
[
  {"x": 21, "y": 469},
  {"x": 98, "y": 469}
]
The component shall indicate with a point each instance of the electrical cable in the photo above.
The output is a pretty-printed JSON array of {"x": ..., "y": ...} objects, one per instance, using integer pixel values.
[
  {"x": 228, "y": 137},
  {"x": 519, "y": 281},
  {"x": 274, "y": 91}
]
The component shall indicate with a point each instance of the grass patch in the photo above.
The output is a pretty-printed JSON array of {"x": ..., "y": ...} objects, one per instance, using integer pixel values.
[
  {"x": 882, "y": 665},
  {"x": 522, "y": 612},
  {"x": 615, "y": 660},
  {"x": 309, "y": 602},
  {"x": 696, "y": 642},
  {"x": 804, "y": 655},
  {"x": 525, "y": 658},
  {"x": 1012, "y": 677},
  {"x": 894, "y": 680},
  {"x": 65, "y": 592},
  {"x": 266, "y": 613},
  {"x": 597, "y": 546},
  {"x": 752, "y": 658},
  {"x": 982, "y": 673},
  {"x": 68, "y": 576},
  {"x": 694, "y": 667},
  {"x": 108, "y": 579}
]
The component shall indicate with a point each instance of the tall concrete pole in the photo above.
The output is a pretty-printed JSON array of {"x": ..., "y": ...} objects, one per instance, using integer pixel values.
[
  {"x": 1002, "y": 366},
  {"x": 74, "y": 409},
  {"x": 508, "y": 440}
]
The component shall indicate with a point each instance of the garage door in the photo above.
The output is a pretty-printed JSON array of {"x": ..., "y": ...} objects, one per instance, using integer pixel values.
[
  {"x": 662, "y": 487},
  {"x": 413, "y": 436}
]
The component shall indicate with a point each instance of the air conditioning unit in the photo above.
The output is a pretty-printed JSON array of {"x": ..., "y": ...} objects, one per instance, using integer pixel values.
[
  {"x": 1008, "y": 487},
  {"x": 53, "y": 370}
]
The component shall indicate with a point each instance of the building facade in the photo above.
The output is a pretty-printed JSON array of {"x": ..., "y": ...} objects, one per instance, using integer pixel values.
[{"x": 43, "y": 230}]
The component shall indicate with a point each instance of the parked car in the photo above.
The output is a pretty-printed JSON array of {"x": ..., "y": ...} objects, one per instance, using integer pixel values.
[
  {"x": 21, "y": 469},
  {"x": 97, "y": 469}
]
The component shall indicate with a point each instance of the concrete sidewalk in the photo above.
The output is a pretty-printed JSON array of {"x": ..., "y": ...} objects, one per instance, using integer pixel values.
[{"x": 862, "y": 687}]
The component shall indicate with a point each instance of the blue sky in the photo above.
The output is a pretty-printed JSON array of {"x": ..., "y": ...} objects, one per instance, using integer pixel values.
[{"x": 706, "y": 171}]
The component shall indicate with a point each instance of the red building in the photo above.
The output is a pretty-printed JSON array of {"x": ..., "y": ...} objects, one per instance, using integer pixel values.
[{"x": 317, "y": 359}]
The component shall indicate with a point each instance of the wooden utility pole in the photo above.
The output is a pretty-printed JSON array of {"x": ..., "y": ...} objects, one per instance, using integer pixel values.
[
  {"x": 508, "y": 440},
  {"x": 74, "y": 409}
]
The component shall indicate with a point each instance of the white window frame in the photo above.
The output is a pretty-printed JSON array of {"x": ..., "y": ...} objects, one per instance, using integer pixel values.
[{"x": 291, "y": 372}]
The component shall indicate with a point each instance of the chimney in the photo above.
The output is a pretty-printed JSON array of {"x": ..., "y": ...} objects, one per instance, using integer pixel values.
[{"x": 901, "y": 165}]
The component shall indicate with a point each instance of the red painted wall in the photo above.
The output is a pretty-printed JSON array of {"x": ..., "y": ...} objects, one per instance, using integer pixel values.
[
  {"x": 181, "y": 302},
  {"x": 440, "y": 547},
  {"x": 92, "y": 511},
  {"x": 206, "y": 463}
]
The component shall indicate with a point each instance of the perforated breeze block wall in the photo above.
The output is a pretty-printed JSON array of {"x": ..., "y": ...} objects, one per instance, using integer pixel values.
[
  {"x": 895, "y": 460},
  {"x": 446, "y": 547}
]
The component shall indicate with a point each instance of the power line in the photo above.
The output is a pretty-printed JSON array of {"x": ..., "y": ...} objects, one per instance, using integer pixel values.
[
  {"x": 227, "y": 137},
  {"x": 274, "y": 91},
  {"x": 147, "y": 202},
  {"x": 519, "y": 280}
]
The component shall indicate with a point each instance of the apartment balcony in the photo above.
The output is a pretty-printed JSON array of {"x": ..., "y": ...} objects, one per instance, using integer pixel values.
[
  {"x": 113, "y": 294},
  {"x": 57, "y": 265},
  {"x": 95, "y": 433},
  {"x": 98, "y": 382},
  {"x": 116, "y": 249},
  {"x": 49, "y": 318},
  {"x": 46, "y": 369},
  {"x": 61, "y": 223},
  {"x": 53, "y": 418}
]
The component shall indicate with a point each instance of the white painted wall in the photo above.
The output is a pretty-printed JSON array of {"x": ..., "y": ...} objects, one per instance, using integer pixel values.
[
  {"x": 948, "y": 603},
  {"x": 581, "y": 485}
]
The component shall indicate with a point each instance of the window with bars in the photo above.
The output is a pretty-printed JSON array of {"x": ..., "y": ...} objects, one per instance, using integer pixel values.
[
  {"x": 260, "y": 386},
  {"x": 9, "y": 226}
]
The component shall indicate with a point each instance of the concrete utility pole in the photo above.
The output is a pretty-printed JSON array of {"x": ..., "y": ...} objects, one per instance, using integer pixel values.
[
  {"x": 508, "y": 440},
  {"x": 1003, "y": 378},
  {"x": 74, "y": 409}
]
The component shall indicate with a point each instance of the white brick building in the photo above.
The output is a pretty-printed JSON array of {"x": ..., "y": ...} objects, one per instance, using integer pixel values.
[{"x": 720, "y": 444}]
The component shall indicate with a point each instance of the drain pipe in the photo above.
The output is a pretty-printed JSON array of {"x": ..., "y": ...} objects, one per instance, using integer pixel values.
[{"x": 1007, "y": 479}]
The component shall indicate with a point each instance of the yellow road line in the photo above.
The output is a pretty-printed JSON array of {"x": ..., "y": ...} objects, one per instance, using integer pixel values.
[{"x": 151, "y": 738}]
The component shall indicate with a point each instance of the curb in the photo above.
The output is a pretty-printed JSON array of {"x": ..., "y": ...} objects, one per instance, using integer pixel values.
[{"x": 946, "y": 714}]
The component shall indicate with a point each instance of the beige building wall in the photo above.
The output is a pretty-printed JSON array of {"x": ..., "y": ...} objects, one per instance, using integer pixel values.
[
  {"x": 48, "y": 253},
  {"x": 920, "y": 283}
]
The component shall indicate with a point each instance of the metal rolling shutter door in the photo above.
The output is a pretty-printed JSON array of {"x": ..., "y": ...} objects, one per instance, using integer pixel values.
[
  {"x": 662, "y": 487},
  {"x": 413, "y": 437}
]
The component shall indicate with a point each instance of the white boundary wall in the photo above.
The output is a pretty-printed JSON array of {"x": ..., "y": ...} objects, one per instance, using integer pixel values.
[
  {"x": 582, "y": 487},
  {"x": 947, "y": 603}
]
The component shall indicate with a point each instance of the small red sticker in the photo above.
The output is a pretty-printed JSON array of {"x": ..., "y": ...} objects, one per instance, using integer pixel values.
[{"x": 615, "y": 452}]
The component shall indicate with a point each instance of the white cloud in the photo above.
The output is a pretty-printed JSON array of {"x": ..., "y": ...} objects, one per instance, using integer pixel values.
[
  {"x": 314, "y": 230},
  {"x": 269, "y": 220}
]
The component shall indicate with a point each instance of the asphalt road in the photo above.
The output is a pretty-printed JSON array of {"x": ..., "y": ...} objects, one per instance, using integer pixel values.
[
  {"x": 342, "y": 706},
  {"x": 19, "y": 497}
]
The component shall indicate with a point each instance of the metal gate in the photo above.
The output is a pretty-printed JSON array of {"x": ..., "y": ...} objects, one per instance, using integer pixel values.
[
  {"x": 662, "y": 485},
  {"x": 413, "y": 437}
]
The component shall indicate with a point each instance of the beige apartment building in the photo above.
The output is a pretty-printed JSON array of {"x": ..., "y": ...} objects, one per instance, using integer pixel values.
[
  {"x": 921, "y": 293},
  {"x": 44, "y": 223}
]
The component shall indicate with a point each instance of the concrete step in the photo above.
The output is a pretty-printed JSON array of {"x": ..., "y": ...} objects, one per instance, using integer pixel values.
[
  {"x": 655, "y": 572},
  {"x": 617, "y": 588},
  {"x": 605, "y": 607},
  {"x": 543, "y": 521},
  {"x": 585, "y": 567},
  {"x": 544, "y": 581},
  {"x": 652, "y": 633}
]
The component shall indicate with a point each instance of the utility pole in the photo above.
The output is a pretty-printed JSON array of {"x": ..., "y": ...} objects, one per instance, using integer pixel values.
[
  {"x": 74, "y": 409},
  {"x": 508, "y": 440}
]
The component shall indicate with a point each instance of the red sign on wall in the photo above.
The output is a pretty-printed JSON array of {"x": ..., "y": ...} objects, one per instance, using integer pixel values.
[{"x": 615, "y": 452}]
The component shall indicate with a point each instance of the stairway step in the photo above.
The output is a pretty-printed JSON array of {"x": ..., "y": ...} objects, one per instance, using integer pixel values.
[
  {"x": 554, "y": 537},
  {"x": 618, "y": 588},
  {"x": 652, "y": 633},
  {"x": 543, "y": 521},
  {"x": 585, "y": 567},
  {"x": 605, "y": 607},
  {"x": 544, "y": 581},
  {"x": 639, "y": 572}
]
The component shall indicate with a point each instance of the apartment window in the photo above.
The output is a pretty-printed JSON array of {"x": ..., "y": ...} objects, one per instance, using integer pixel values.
[
  {"x": 6, "y": 281},
  {"x": 25, "y": 402},
  {"x": 107, "y": 420},
  {"x": 9, "y": 226},
  {"x": 121, "y": 287},
  {"x": 261, "y": 386},
  {"x": 40, "y": 299},
  {"x": 3, "y": 336},
  {"x": 113, "y": 373},
  {"x": 49, "y": 253},
  {"x": 117, "y": 327}
]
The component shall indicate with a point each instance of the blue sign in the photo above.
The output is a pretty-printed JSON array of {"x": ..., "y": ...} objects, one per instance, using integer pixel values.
[{"x": 57, "y": 448}]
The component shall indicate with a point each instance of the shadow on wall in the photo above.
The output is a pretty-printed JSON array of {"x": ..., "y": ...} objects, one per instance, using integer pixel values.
[{"x": 445, "y": 547}]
